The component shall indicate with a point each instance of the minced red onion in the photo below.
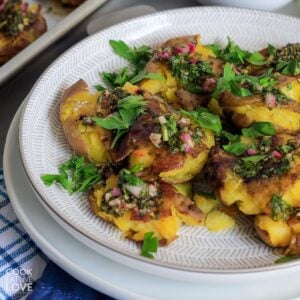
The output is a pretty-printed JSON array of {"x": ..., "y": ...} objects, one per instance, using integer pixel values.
[
  {"x": 116, "y": 192},
  {"x": 276, "y": 154},
  {"x": 270, "y": 100},
  {"x": 155, "y": 139},
  {"x": 251, "y": 151}
]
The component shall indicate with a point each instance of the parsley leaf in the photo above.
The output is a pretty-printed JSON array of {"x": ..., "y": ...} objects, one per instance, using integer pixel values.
[
  {"x": 143, "y": 75},
  {"x": 205, "y": 119},
  {"x": 232, "y": 52},
  {"x": 257, "y": 59},
  {"x": 138, "y": 57},
  {"x": 236, "y": 148},
  {"x": 129, "y": 177},
  {"x": 259, "y": 129},
  {"x": 235, "y": 55},
  {"x": 288, "y": 68},
  {"x": 280, "y": 208},
  {"x": 150, "y": 245},
  {"x": 286, "y": 258},
  {"x": 231, "y": 82},
  {"x": 75, "y": 175},
  {"x": 128, "y": 110}
]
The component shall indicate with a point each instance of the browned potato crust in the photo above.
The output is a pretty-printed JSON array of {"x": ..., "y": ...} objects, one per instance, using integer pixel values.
[{"x": 12, "y": 45}]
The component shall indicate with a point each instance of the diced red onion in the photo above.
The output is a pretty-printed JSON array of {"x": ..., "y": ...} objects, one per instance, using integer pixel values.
[
  {"x": 251, "y": 151},
  {"x": 270, "y": 100},
  {"x": 114, "y": 202},
  {"x": 152, "y": 190},
  {"x": 184, "y": 121},
  {"x": 276, "y": 154},
  {"x": 3, "y": 4},
  {"x": 165, "y": 55},
  {"x": 155, "y": 139},
  {"x": 187, "y": 139},
  {"x": 209, "y": 84},
  {"x": 187, "y": 148},
  {"x": 181, "y": 49},
  {"x": 192, "y": 47},
  {"x": 162, "y": 119},
  {"x": 134, "y": 190},
  {"x": 116, "y": 192}
]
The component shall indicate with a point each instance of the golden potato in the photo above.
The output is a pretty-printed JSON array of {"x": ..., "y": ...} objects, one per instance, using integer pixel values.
[
  {"x": 244, "y": 111},
  {"x": 78, "y": 102},
  {"x": 10, "y": 45},
  {"x": 253, "y": 195},
  {"x": 173, "y": 210},
  {"x": 273, "y": 233},
  {"x": 218, "y": 221}
]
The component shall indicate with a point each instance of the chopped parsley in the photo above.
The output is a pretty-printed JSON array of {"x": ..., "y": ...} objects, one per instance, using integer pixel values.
[
  {"x": 280, "y": 208},
  {"x": 75, "y": 175},
  {"x": 128, "y": 176},
  {"x": 268, "y": 161},
  {"x": 150, "y": 245},
  {"x": 187, "y": 73}
]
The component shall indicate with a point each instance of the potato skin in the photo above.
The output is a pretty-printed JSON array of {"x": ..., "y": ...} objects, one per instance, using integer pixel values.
[
  {"x": 90, "y": 141},
  {"x": 12, "y": 45}
]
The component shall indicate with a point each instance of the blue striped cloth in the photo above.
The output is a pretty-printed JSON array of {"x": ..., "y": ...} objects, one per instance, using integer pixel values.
[{"x": 21, "y": 262}]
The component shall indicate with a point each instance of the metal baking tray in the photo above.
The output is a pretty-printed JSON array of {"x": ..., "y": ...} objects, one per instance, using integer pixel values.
[{"x": 59, "y": 21}]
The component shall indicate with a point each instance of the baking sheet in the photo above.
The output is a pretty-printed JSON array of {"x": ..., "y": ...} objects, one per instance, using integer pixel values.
[{"x": 59, "y": 21}]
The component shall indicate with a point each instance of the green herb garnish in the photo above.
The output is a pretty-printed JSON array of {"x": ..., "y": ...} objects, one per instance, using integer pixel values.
[
  {"x": 189, "y": 74},
  {"x": 150, "y": 245},
  {"x": 75, "y": 175},
  {"x": 204, "y": 119},
  {"x": 286, "y": 258},
  {"x": 280, "y": 208},
  {"x": 259, "y": 129},
  {"x": 129, "y": 177},
  {"x": 128, "y": 110},
  {"x": 232, "y": 53}
]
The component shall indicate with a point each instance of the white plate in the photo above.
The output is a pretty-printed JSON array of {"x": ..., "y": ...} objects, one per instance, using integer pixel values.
[
  {"x": 44, "y": 147},
  {"x": 106, "y": 275}
]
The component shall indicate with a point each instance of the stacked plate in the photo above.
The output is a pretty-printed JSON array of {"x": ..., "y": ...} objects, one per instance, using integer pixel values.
[{"x": 94, "y": 251}]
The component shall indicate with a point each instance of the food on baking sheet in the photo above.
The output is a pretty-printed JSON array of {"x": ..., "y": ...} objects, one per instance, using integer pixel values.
[
  {"x": 189, "y": 134},
  {"x": 72, "y": 2},
  {"x": 20, "y": 25}
]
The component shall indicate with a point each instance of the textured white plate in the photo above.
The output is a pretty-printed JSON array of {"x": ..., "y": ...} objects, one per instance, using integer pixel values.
[
  {"x": 43, "y": 145},
  {"x": 106, "y": 275}
]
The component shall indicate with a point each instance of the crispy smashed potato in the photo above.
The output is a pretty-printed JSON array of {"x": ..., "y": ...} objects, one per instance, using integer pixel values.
[
  {"x": 196, "y": 135},
  {"x": 20, "y": 26}
]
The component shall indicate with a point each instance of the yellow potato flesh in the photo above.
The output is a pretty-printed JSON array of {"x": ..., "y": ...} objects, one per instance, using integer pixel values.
[
  {"x": 292, "y": 90},
  {"x": 205, "y": 204},
  {"x": 279, "y": 117},
  {"x": 235, "y": 191},
  {"x": 279, "y": 233},
  {"x": 217, "y": 221},
  {"x": 192, "y": 165}
]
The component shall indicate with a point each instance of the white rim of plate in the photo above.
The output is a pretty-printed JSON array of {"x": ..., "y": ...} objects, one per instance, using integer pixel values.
[{"x": 73, "y": 50}]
